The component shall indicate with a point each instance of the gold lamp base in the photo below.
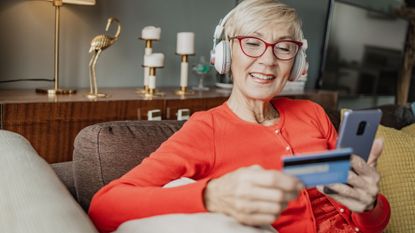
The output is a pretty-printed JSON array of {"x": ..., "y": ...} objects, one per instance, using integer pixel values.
[{"x": 55, "y": 91}]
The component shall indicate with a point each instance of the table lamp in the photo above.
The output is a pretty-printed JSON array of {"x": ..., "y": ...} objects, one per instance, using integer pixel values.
[{"x": 56, "y": 89}]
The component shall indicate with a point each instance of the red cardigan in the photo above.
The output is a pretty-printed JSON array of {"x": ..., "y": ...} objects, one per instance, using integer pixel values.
[{"x": 213, "y": 143}]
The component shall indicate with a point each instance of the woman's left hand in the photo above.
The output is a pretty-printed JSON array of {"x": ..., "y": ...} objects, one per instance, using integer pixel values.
[{"x": 360, "y": 192}]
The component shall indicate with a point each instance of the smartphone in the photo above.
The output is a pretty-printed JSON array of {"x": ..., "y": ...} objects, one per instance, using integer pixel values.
[{"x": 358, "y": 130}]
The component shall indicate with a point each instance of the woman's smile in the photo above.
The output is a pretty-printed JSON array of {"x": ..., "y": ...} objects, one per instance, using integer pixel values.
[{"x": 262, "y": 78}]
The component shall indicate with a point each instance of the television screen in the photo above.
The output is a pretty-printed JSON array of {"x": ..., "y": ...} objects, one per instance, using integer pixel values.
[{"x": 363, "y": 51}]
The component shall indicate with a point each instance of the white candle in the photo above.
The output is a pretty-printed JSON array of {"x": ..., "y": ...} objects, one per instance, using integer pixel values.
[
  {"x": 184, "y": 74},
  {"x": 152, "y": 82},
  {"x": 147, "y": 51},
  {"x": 185, "y": 43},
  {"x": 154, "y": 60},
  {"x": 150, "y": 33}
]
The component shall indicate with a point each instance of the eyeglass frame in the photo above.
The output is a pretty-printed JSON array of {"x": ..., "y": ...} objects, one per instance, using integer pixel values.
[{"x": 240, "y": 38}]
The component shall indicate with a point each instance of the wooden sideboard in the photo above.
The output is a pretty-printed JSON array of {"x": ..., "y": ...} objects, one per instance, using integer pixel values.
[{"x": 51, "y": 123}]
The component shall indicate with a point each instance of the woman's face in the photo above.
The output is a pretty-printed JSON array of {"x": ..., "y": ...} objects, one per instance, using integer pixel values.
[{"x": 264, "y": 77}]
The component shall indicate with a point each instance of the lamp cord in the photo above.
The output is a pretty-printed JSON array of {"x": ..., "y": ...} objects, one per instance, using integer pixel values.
[{"x": 31, "y": 79}]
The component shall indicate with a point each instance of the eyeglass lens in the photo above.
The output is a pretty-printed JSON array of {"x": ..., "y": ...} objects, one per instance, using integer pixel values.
[{"x": 255, "y": 47}]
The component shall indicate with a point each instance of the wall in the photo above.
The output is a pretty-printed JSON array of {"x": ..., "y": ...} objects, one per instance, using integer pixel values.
[{"x": 26, "y": 45}]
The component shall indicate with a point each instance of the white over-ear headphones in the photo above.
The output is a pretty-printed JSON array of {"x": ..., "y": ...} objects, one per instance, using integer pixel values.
[{"x": 220, "y": 55}]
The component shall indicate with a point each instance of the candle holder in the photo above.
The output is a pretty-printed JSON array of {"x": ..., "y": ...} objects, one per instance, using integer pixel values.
[
  {"x": 184, "y": 68},
  {"x": 185, "y": 47},
  {"x": 148, "y": 34},
  {"x": 147, "y": 51},
  {"x": 152, "y": 91}
]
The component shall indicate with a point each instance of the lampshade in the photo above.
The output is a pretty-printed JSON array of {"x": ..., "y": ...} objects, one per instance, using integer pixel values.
[
  {"x": 80, "y": 2},
  {"x": 77, "y": 2}
]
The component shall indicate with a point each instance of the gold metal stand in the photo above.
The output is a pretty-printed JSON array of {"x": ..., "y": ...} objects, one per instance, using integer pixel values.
[
  {"x": 149, "y": 45},
  {"x": 56, "y": 90}
]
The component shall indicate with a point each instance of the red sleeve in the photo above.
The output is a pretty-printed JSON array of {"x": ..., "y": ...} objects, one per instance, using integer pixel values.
[
  {"x": 326, "y": 127},
  {"x": 138, "y": 194},
  {"x": 376, "y": 219}
]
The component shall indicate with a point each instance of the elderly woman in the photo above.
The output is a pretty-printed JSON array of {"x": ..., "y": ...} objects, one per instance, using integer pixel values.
[{"x": 233, "y": 151}]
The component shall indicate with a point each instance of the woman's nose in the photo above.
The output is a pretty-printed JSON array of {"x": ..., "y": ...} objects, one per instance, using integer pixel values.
[{"x": 268, "y": 58}]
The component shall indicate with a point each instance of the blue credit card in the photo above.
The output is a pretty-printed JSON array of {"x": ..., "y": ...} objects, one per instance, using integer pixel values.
[{"x": 323, "y": 168}]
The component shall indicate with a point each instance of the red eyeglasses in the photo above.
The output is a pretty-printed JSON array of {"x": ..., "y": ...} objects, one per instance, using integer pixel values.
[{"x": 255, "y": 47}]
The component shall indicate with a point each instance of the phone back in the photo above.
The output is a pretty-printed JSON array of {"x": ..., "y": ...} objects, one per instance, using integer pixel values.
[{"x": 358, "y": 130}]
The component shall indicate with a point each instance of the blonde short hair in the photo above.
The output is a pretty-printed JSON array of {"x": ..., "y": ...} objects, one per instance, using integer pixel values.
[{"x": 251, "y": 15}]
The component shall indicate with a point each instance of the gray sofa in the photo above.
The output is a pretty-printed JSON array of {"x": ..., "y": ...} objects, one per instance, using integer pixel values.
[{"x": 102, "y": 153}]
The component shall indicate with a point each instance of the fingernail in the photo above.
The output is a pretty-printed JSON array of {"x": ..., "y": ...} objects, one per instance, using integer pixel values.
[{"x": 328, "y": 190}]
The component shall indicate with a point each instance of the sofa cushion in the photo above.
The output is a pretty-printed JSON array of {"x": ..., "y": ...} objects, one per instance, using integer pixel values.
[
  {"x": 396, "y": 116},
  {"x": 105, "y": 151},
  {"x": 65, "y": 173},
  {"x": 32, "y": 198},
  {"x": 410, "y": 129},
  {"x": 396, "y": 167}
]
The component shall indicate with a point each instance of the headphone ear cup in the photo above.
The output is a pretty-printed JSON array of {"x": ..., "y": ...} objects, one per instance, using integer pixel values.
[
  {"x": 222, "y": 57},
  {"x": 299, "y": 67}
]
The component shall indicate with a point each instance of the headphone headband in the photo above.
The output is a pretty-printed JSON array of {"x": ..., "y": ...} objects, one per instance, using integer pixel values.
[{"x": 220, "y": 27}]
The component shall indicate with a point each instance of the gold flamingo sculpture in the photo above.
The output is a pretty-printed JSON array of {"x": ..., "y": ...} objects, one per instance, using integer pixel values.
[{"x": 98, "y": 44}]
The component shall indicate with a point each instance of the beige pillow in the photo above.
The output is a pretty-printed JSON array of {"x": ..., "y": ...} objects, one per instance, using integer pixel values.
[
  {"x": 410, "y": 129},
  {"x": 32, "y": 198},
  {"x": 397, "y": 169}
]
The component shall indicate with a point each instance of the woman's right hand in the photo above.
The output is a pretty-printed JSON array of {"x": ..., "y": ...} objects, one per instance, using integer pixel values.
[{"x": 252, "y": 195}]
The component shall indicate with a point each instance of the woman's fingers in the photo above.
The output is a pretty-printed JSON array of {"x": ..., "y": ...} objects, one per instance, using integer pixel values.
[
  {"x": 360, "y": 166},
  {"x": 276, "y": 179},
  {"x": 351, "y": 203},
  {"x": 260, "y": 207},
  {"x": 356, "y": 181},
  {"x": 252, "y": 195},
  {"x": 253, "y": 219},
  {"x": 365, "y": 171},
  {"x": 375, "y": 152},
  {"x": 270, "y": 195},
  {"x": 369, "y": 183},
  {"x": 352, "y": 194}
]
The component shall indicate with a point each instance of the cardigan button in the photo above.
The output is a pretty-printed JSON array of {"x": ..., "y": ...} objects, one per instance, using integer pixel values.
[
  {"x": 277, "y": 131},
  {"x": 287, "y": 148},
  {"x": 341, "y": 210},
  {"x": 356, "y": 229}
]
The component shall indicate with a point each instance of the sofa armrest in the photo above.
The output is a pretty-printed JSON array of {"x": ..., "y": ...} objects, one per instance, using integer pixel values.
[
  {"x": 105, "y": 151},
  {"x": 33, "y": 199}
]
